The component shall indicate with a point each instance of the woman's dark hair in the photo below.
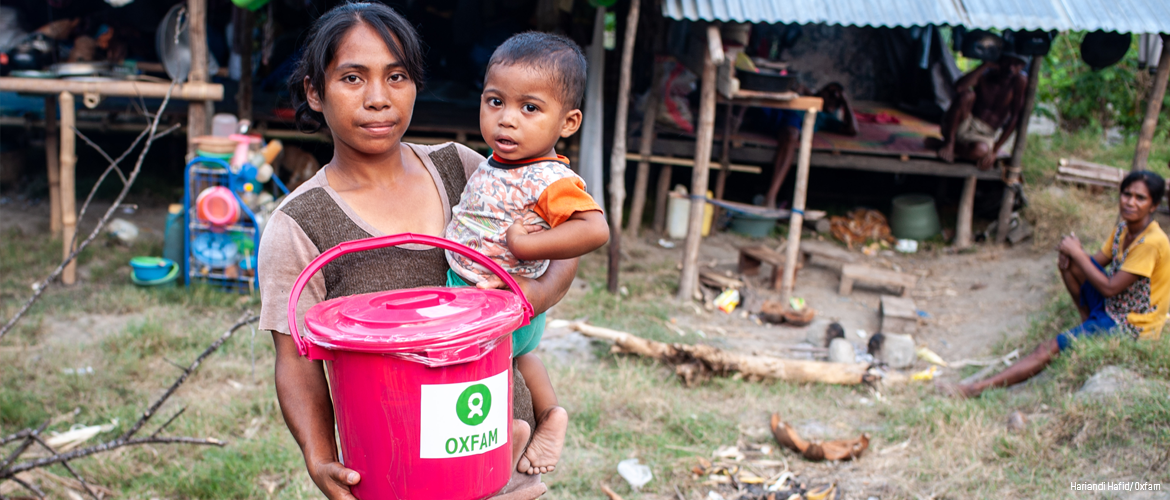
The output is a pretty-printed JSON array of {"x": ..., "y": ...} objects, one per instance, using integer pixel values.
[
  {"x": 327, "y": 33},
  {"x": 1154, "y": 183}
]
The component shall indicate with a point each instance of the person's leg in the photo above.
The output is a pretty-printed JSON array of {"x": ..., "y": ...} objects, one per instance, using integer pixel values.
[
  {"x": 1020, "y": 371},
  {"x": 552, "y": 421},
  {"x": 959, "y": 110},
  {"x": 1074, "y": 281},
  {"x": 786, "y": 142}
]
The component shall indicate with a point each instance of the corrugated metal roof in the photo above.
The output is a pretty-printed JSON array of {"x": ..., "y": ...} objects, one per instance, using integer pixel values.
[
  {"x": 887, "y": 13},
  {"x": 1125, "y": 16}
]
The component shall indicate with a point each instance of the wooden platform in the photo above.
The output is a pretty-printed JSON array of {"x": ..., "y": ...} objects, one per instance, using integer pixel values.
[
  {"x": 827, "y": 254},
  {"x": 853, "y": 273}
]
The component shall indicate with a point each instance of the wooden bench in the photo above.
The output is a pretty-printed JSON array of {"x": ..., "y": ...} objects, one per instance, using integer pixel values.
[
  {"x": 851, "y": 273},
  {"x": 753, "y": 256},
  {"x": 827, "y": 254},
  {"x": 899, "y": 315}
]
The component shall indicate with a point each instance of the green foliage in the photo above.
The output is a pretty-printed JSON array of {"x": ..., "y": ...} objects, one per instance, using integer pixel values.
[{"x": 1096, "y": 99}]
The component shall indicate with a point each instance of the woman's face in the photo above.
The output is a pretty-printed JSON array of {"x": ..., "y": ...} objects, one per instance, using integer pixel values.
[
  {"x": 1136, "y": 204},
  {"x": 367, "y": 97}
]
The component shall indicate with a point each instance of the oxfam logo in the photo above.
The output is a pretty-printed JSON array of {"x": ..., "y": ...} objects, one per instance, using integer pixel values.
[{"x": 474, "y": 404}]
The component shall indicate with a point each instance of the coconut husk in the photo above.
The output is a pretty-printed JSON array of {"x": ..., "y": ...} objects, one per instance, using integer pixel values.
[{"x": 841, "y": 449}]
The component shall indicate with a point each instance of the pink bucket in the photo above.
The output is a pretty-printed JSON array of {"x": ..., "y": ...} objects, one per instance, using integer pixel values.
[{"x": 421, "y": 379}]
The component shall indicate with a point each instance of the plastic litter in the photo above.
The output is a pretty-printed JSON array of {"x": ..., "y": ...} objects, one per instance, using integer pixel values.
[
  {"x": 925, "y": 375},
  {"x": 634, "y": 473},
  {"x": 714, "y": 495},
  {"x": 728, "y": 300},
  {"x": 122, "y": 229}
]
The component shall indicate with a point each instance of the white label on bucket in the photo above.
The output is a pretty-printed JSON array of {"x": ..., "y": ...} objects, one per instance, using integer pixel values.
[{"x": 464, "y": 419}]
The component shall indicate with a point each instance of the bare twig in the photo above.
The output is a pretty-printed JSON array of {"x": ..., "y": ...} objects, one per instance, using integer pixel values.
[
  {"x": 113, "y": 166},
  {"x": 69, "y": 468},
  {"x": 40, "y": 287},
  {"x": 23, "y": 446},
  {"x": 168, "y": 422},
  {"x": 29, "y": 486},
  {"x": 14, "y": 436},
  {"x": 128, "y": 438}
]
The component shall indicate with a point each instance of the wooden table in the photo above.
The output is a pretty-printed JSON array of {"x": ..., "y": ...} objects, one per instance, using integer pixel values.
[{"x": 62, "y": 191}]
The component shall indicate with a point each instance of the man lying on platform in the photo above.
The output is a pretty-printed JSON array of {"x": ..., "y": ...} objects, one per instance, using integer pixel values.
[{"x": 985, "y": 112}]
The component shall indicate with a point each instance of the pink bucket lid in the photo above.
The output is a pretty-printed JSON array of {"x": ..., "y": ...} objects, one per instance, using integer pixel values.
[
  {"x": 445, "y": 325},
  {"x": 413, "y": 320}
]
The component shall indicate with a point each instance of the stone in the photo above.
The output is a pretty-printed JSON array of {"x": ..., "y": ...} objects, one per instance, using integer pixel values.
[
  {"x": 841, "y": 351},
  {"x": 1113, "y": 380},
  {"x": 897, "y": 350}
]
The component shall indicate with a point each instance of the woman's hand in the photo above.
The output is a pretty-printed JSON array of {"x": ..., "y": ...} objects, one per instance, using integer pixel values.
[
  {"x": 334, "y": 480},
  {"x": 1070, "y": 245}
]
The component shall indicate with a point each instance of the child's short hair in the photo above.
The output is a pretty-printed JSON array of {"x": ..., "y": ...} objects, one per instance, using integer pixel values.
[
  {"x": 326, "y": 35},
  {"x": 553, "y": 54}
]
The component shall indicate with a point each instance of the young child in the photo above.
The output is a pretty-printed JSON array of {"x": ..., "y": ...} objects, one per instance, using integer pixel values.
[{"x": 531, "y": 98}]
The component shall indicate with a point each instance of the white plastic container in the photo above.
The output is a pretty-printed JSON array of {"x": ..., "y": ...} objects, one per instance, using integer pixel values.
[
  {"x": 223, "y": 124},
  {"x": 678, "y": 214}
]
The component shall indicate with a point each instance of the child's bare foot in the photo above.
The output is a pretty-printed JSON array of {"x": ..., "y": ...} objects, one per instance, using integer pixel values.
[
  {"x": 520, "y": 434},
  {"x": 545, "y": 449}
]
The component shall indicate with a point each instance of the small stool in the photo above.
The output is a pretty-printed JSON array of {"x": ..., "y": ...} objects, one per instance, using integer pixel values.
[
  {"x": 753, "y": 256},
  {"x": 851, "y": 273},
  {"x": 899, "y": 315}
]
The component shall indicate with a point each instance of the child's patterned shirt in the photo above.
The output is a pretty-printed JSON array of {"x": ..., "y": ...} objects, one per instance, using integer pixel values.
[{"x": 540, "y": 191}]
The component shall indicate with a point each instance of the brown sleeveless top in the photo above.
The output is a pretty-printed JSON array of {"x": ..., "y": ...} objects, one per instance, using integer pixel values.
[{"x": 313, "y": 219}]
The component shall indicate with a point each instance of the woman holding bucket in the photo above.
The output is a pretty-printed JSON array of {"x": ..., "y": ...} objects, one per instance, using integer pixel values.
[{"x": 363, "y": 91}]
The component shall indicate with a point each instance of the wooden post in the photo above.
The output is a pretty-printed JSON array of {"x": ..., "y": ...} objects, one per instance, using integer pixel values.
[
  {"x": 52, "y": 161},
  {"x": 243, "y": 46},
  {"x": 724, "y": 158},
  {"x": 68, "y": 190},
  {"x": 197, "y": 36},
  {"x": 645, "y": 149},
  {"x": 689, "y": 279},
  {"x": 617, "y": 158},
  {"x": 966, "y": 213},
  {"x": 1013, "y": 173},
  {"x": 1153, "y": 107},
  {"x": 796, "y": 223},
  {"x": 661, "y": 195}
]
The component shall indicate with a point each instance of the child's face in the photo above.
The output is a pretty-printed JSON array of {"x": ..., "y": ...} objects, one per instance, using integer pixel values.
[
  {"x": 521, "y": 115},
  {"x": 367, "y": 98}
]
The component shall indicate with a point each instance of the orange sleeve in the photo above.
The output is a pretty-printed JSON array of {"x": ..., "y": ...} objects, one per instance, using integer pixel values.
[{"x": 562, "y": 199}]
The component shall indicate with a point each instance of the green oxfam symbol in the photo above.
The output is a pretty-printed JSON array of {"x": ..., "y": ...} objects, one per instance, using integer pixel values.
[{"x": 474, "y": 404}]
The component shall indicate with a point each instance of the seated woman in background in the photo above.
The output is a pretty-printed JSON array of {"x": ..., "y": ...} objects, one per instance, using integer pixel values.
[{"x": 1125, "y": 288}]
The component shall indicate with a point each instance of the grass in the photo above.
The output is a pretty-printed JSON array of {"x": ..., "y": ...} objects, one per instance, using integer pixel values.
[{"x": 621, "y": 406}]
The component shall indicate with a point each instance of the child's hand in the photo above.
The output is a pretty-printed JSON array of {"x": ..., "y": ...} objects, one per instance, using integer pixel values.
[{"x": 516, "y": 231}]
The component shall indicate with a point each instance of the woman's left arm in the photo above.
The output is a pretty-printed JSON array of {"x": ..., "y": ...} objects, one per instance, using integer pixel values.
[
  {"x": 545, "y": 291},
  {"x": 1107, "y": 285}
]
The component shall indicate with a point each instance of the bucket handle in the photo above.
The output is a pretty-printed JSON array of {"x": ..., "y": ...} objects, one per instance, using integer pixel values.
[{"x": 383, "y": 242}]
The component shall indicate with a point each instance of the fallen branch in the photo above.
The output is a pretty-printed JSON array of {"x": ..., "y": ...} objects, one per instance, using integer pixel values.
[
  {"x": 695, "y": 363},
  {"x": 39, "y": 287},
  {"x": 126, "y": 439}
]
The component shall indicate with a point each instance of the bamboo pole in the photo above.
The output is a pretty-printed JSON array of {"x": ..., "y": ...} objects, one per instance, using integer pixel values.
[
  {"x": 617, "y": 159},
  {"x": 724, "y": 158},
  {"x": 53, "y": 162},
  {"x": 645, "y": 150},
  {"x": 197, "y": 35},
  {"x": 68, "y": 194},
  {"x": 796, "y": 223},
  {"x": 1013, "y": 173},
  {"x": 966, "y": 213},
  {"x": 689, "y": 279},
  {"x": 243, "y": 46},
  {"x": 191, "y": 91},
  {"x": 1154, "y": 106}
]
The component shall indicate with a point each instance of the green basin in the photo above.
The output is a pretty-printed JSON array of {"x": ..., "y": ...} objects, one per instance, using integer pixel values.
[
  {"x": 751, "y": 225},
  {"x": 914, "y": 217}
]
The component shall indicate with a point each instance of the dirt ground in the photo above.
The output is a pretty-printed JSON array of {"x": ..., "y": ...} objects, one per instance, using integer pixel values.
[{"x": 963, "y": 313}]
